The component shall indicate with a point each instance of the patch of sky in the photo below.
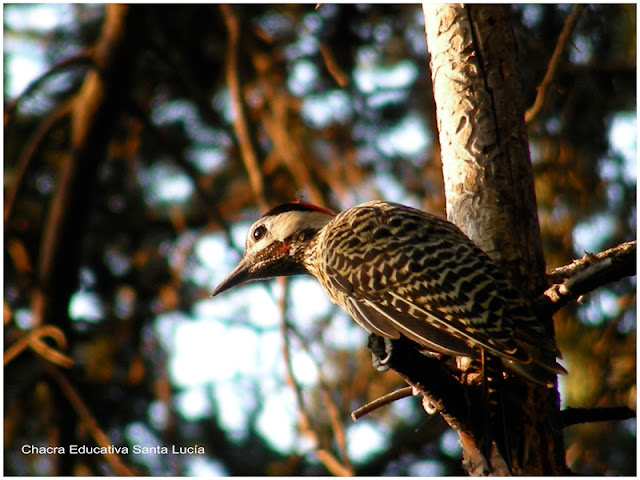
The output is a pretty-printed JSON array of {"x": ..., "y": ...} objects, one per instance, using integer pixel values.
[
  {"x": 581, "y": 50},
  {"x": 598, "y": 307},
  {"x": 383, "y": 98},
  {"x": 26, "y": 58},
  {"x": 303, "y": 77},
  {"x": 158, "y": 414},
  {"x": 531, "y": 15},
  {"x": 305, "y": 370},
  {"x": 87, "y": 277},
  {"x": 364, "y": 439},
  {"x": 234, "y": 305},
  {"x": 321, "y": 110},
  {"x": 165, "y": 325},
  {"x": 221, "y": 103},
  {"x": 382, "y": 33},
  {"x": 407, "y": 410},
  {"x": 207, "y": 351},
  {"x": 312, "y": 22},
  {"x": 593, "y": 234},
  {"x": 40, "y": 18},
  {"x": 628, "y": 322},
  {"x": 86, "y": 306},
  {"x": 24, "y": 318},
  {"x": 306, "y": 46},
  {"x": 45, "y": 182},
  {"x": 407, "y": 139},
  {"x": 207, "y": 159},
  {"x": 235, "y": 402},
  {"x": 163, "y": 183},
  {"x": 116, "y": 261},
  {"x": 414, "y": 34},
  {"x": 138, "y": 433},
  {"x": 631, "y": 426},
  {"x": 178, "y": 248},
  {"x": 275, "y": 23},
  {"x": 342, "y": 333},
  {"x": 307, "y": 299},
  {"x": 200, "y": 276},
  {"x": 426, "y": 468},
  {"x": 186, "y": 113},
  {"x": 370, "y": 76},
  {"x": 204, "y": 466},
  {"x": 269, "y": 361},
  {"x": 394, "y": 191},
  {"x": 277, "y": 420},
  {"x": 213, "y": 253},
  {"x": 623, "y": 138},
  {"x": 450, "y": 444},
  {"x": 194, "y": 403},
  {"x": 553, "y": 125},
  {"x": 328, "y": 10}
]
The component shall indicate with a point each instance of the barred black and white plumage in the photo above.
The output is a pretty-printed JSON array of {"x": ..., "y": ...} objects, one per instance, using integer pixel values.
[{"x": 399, "y": 271}]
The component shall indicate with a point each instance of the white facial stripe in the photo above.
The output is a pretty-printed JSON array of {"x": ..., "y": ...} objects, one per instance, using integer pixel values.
[{"x": 284, "y": 225}]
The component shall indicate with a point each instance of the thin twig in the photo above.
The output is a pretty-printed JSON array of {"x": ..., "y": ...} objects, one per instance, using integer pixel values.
[
  {"x": 287, "y": 148},
  {"x": 381, "y": 401},
  {"x": 28, "y": 154},
  {"x": 83, "y": 58},
  {"x": 240, "y": 124},
  {"x": 326, "y": 457},
  {"x": 332, "y": 67},
  {"x": 332, "y": 408},
  {"x": 34, "y": 339},
  {"x": 88, "y": 420},
  {"x": 209, "y": 199},
  {"x": 563, "y": 41},
  {"x": 572, "y": 416}
]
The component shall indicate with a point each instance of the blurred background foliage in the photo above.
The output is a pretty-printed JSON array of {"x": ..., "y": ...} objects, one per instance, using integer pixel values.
[{"x": 340, "y": 110}]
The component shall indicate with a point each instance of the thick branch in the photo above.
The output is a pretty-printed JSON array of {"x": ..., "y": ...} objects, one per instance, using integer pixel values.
[{"x": 585, "y": 275}]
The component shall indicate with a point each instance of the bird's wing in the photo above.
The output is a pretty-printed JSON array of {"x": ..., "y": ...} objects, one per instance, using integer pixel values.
[
  {"x": 414, "y": 274},
  {"x": 389, "y": 323}
]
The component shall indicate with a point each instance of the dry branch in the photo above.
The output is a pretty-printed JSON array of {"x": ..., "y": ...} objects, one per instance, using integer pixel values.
[
  {"x": 381, "y": 401},
  {"x": 554, "y": 63},
  {"x": 29, "y": 153},
  {"x": 240, "y": 123},
  {"x": 88, "y": 420},
  {"x": 328, "y": 459},
  {"x": 83, "y": 59},
  {"x": 572, "y": 416},
  {"x": 585, "y": 275}
]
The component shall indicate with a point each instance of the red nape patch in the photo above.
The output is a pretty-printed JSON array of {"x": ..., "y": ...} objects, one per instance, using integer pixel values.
[
  {"x": 310, "y": 206},
  {"x": 298, "y": 206}
]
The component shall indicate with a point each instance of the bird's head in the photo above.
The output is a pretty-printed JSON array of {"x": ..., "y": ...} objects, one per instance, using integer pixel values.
[{"x": 277, "y": 243}]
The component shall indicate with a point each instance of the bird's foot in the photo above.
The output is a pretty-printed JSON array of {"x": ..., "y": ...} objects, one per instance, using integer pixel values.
[{"x": 380, "y": 349}]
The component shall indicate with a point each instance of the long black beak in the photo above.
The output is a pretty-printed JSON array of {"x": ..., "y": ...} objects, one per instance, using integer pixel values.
[{"x": 238, "y": 276}]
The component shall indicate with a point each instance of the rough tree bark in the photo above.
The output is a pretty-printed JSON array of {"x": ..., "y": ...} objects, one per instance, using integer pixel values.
[{"x": 489, "y": 192}]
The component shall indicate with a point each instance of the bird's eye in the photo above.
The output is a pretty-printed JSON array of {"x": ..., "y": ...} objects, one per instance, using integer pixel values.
[{"x": 259, "y": 232}]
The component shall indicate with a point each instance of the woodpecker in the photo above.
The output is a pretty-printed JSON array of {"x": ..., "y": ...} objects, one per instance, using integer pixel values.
[{"x": 398, "y": 271}]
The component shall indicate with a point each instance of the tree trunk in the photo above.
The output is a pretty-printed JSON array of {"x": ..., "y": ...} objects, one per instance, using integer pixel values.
[{"x": 489, "y": 190}]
